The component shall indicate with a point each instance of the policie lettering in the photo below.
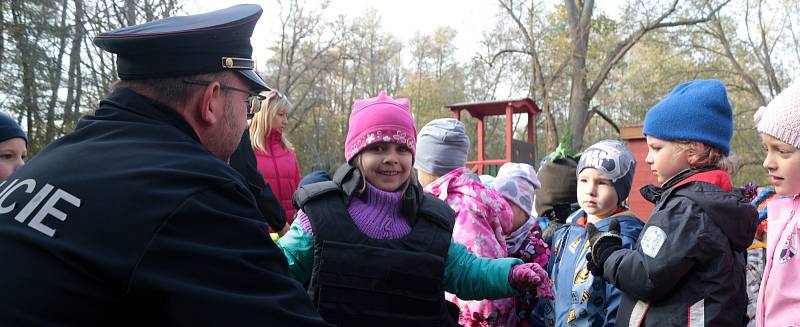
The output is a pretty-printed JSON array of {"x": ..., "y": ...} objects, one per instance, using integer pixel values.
[{"x": 49, "y": 207}]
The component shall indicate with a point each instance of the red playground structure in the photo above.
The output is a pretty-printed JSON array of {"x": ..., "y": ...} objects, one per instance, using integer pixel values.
[{"x": 516, "y": 151}]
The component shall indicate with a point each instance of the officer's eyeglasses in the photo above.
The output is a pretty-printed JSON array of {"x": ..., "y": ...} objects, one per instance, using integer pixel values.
[{"x": 252, "y": 97}]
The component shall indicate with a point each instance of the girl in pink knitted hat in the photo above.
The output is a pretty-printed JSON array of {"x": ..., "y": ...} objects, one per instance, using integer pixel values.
[
  {"x": 779, "y": 126},
  {"x": 374, "y": 249}
]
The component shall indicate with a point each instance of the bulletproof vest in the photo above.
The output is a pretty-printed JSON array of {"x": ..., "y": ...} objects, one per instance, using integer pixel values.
[{"x": 360, "y": 281}]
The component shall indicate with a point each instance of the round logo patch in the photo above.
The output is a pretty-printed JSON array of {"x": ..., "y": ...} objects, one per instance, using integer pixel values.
[{"x": 652, "y": 240}]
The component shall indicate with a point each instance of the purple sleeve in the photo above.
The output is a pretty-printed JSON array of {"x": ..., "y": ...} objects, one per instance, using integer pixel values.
[{"x": 302, "y": 220}]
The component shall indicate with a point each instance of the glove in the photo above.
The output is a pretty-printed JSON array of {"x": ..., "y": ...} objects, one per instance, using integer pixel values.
[
  {"x": 602, "y": 244},
  {"x": 530, "y": 277},
  {"x": 547, "y": 233}
]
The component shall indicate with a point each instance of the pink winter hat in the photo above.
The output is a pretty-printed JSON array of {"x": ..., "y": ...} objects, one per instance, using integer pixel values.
[
  {"x": 380, "y": 119},
  {"x": 517, "y": 182},
  {"x": 781, "y": 117}
]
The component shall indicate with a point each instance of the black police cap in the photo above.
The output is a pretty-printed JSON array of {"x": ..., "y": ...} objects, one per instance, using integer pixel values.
[{"x": 187, "y": 45}]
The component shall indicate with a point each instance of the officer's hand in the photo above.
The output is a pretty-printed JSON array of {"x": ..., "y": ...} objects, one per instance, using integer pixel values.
[
  {"x": 530, "y": 277},
  {"x": 602, "y": 244}
]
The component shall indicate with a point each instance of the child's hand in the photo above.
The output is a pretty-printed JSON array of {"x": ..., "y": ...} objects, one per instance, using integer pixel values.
[
  {"x": 530, "y": 277},
  {"x": 602, "y": 244}
]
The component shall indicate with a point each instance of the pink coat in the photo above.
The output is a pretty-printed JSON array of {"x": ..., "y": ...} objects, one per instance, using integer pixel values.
[
  {"x": 779, "y": 297},
  {"x": 281, "y": 171},
  {"x": 483, "y": 218}
]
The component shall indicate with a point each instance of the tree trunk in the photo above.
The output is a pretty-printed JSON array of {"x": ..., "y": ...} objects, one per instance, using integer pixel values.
[
  {"x": 2, "y": 33},
  {"x": 71, "y": 109},
  {"x": 539, "y": 84},
  {"x": 28, "y": 84},
  {"x": 55, "y": 77},
  {"x": 130, "y": 12},
  {"x": 579, "y": 29}
]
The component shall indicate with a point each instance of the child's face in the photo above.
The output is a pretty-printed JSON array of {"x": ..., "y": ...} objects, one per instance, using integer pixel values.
[
  {"x": 12, "y": 156},
  {"x": 783, "y": 165},
  {"x": 665, "y": 158},
  {"x": 596, "y": 194},
  {"x": 281, "y": 119},
  {"x": 386, "y": 165},
  {"x": 520, "y": 217}
]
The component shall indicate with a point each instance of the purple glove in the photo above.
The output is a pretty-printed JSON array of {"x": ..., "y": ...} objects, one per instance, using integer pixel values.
[{"x": 530, "y": 277}]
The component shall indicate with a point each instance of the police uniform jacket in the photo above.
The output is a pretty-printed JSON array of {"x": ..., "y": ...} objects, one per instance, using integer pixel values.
[
  {"x": 130, "y": 221},
  {"x": 688, "y": 266},
  {"x": 243, "y": 160}
]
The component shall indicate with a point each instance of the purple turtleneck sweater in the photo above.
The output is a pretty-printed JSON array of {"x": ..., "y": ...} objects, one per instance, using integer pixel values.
[{"x": 376, "y": 213}]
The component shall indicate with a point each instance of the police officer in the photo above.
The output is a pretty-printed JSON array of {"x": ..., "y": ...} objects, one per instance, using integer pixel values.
[{"x": 136, "y": 218}]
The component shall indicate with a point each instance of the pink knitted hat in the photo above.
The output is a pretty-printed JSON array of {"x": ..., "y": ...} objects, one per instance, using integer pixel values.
[
  {"x": 781, "y": 117},
  {"x": 380, "y": 119}
]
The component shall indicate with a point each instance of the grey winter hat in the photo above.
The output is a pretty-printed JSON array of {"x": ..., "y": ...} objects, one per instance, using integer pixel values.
[
  {"x": 612, "y": 159},
  {"x": 442, "y": 146}
]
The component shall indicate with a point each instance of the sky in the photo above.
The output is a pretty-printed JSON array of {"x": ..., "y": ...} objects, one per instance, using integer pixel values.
[{"x": 400, "y": 18}]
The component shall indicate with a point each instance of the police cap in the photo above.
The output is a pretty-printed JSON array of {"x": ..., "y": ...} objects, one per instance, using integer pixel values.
[{"x": 187, "y": 45}]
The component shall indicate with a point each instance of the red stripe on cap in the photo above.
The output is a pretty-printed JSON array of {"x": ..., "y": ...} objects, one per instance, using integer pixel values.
[{"x": 174, "y": 33}]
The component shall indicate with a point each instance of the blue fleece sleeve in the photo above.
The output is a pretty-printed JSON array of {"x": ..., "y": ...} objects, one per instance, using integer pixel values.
[
  {"x": 475, "y": 278},
  {"x": 298, "y": 248}
]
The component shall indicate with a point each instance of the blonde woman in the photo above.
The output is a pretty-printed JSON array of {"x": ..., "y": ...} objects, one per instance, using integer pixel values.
[{"x": 275, "y": 155}]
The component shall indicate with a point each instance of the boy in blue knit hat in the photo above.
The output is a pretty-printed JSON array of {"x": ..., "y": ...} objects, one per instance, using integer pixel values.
[
  {"x": 688, "y": 266},
  {"x": 13, "y": 146}
]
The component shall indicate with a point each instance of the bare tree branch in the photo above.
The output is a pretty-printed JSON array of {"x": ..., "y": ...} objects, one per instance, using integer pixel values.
[{"x": 626, "y": 44}]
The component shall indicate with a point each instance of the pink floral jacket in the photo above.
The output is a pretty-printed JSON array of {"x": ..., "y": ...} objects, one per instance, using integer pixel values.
[{"x": 483, "y": 218}]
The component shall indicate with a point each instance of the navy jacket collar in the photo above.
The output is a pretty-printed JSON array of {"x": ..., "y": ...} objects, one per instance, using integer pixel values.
[{"x": 134, "y": 103}]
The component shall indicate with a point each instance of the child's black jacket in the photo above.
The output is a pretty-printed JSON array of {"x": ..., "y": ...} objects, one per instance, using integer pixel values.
[{"x": 688, "y": 266}]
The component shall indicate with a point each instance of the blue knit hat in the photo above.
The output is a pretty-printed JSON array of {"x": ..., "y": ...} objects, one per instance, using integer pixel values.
[
  {"x": 694, "y": 111},
  {"x": 9, "y": 128}
]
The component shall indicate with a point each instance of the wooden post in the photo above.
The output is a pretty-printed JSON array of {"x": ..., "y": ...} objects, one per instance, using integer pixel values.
[
  {"x": 480, "y": 144},
  {"x": 532, "y": 135},
  {"x": 509, "y": 130}
]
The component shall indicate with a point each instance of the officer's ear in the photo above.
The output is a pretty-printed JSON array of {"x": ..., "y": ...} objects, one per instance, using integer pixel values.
[{"x": 211, "y": 104}]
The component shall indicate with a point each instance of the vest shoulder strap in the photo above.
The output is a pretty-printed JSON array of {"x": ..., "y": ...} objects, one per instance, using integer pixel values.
[
  {"x": 438, "y": 211},
  {"x": 312, "y": 191}
]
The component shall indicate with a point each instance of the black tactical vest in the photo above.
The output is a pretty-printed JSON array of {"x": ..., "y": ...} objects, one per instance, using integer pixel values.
[{"x": 360, "y": 281}]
